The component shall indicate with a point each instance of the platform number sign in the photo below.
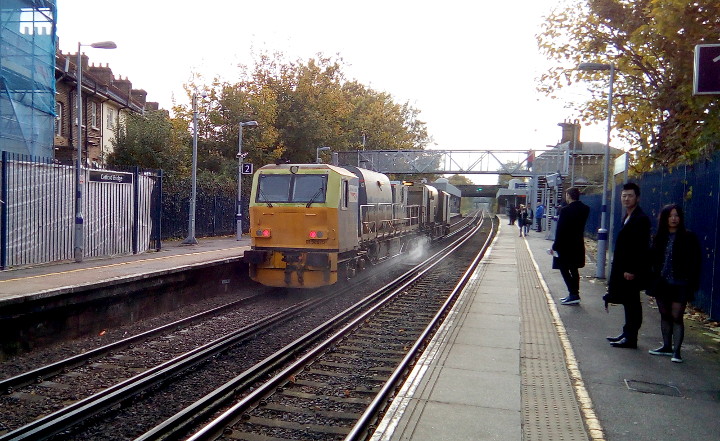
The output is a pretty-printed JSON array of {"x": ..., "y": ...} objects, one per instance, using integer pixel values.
[
  {"x": 247, "y": 168},
  {"x": 707, "y": 69}
]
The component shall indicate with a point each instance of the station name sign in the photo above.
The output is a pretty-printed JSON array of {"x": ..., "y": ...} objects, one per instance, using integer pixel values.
[{"x": 110, "y": 177}]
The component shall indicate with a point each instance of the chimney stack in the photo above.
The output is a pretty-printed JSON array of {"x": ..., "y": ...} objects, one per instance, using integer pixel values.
[{"x": 570, "y": 133}]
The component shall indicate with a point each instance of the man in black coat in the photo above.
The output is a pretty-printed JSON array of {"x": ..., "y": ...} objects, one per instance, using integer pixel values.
[
  {"x": 569, "y": 245},
  {"x": 630, "y": 266}
]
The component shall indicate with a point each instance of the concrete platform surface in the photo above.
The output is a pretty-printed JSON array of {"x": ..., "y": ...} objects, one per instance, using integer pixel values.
[
  {"x": 511, "y": 363},
  {"x": 44, "y": 280}
]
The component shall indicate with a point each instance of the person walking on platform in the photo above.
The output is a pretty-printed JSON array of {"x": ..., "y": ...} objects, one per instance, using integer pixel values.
[
  {"x": 523, "y": 217},
  {"x": 569, "y": 244},
  {"x": 630, "y": 266},
  {"x": 539, "y": 214},
  {"x": 676, "y": 261}
]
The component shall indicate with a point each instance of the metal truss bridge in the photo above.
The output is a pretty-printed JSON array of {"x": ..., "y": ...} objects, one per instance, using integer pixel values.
[{"x": 519, "y": 163}]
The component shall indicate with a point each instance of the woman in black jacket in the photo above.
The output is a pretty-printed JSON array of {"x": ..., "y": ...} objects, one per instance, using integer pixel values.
[{"x": 676, "y": 260}]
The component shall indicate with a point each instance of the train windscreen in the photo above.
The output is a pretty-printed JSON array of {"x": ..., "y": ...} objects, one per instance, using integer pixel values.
[{"x": 291, "y": 188}]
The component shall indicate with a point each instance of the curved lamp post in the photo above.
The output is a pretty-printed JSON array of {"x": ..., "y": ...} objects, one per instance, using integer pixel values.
[
  {"x": 603, "y": 232},
  {"x": 317, "y": 153},
  {"x": 240, "y": 156},
  {"x": 79, "y": 242}
]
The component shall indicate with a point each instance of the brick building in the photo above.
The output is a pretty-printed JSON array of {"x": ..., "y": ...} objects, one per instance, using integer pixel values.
[{"x": 106, "y": 100}]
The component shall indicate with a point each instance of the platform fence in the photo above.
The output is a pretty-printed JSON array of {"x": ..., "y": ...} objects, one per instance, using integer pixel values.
[{"x": 121, "y": 211}]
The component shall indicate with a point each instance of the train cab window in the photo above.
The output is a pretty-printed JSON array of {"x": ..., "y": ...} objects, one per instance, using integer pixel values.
[
  {"x": 345, "y": 194},
  {"x": 273, "y": 188},
  {"x": 291, "y": 188},
  {"x": 309, "y": 188}
]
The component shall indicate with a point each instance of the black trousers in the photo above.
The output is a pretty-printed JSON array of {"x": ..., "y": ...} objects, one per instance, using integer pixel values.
[
  {"x": 633, "y": 315},
  {"x": 571, "y": 276}
]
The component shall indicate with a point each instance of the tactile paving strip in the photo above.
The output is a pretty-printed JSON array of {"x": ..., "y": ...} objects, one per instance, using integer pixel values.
[{"x": 550, "y": 410}]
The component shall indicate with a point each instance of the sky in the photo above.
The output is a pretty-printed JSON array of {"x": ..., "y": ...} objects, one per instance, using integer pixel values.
[{"x": 469, "y": 67}]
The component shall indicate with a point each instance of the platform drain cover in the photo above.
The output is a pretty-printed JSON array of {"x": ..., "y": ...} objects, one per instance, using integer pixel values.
[{"x": 653, "y": 388}]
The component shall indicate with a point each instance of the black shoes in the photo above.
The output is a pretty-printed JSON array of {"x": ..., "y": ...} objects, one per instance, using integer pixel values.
[
  {"x": 624, "y": 343},
  {"x": 614, "y": 339}
]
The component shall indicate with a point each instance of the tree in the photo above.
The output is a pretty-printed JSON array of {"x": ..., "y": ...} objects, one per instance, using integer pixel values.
[
  {"x": 151, "y": 140},
  {"x": 503, "y": 176},
  {"x": 299, "y": 106},
  {"x": 651, "y": 44},
  {"x": 460, "y": 180}
]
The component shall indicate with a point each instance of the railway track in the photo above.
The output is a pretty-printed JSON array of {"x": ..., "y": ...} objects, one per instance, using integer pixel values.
[
  {"x": 338, "y": 389},
  {"x": 65, "y": 422}
]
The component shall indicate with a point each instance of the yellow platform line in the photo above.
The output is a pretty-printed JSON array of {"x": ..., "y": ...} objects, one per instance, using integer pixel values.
[{"x": 39, "y": 276}]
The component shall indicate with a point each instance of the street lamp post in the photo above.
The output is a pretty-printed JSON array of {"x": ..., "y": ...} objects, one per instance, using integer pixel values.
[
  {"x": 317, "y": 153},
  {"x": 79, "y": 243},
  {"x": 240, "y": 156},
  {"x": 603, "y": 232},
  {"x": 190, "y": 239}
]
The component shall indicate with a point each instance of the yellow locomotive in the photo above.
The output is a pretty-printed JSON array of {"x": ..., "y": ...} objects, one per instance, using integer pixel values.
[{"x": 313, "y": 223}]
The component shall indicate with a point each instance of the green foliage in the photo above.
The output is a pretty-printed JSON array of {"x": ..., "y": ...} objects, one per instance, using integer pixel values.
[
  {"x": 504, "y": 178},
  {"x": 651, "y": 44},
  {"x": 299, "y": 106},
  {"x": 460, "y": 180},
  {"x": 151, "y": 140}
]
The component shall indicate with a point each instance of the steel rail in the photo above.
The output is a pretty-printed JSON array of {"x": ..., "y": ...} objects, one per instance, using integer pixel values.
[
  {"x": 70, "y": 416},
  {"x": 383, "y": 296},
  {"x": 363, "y": 425},
  {"x": 48, "y": 371}
]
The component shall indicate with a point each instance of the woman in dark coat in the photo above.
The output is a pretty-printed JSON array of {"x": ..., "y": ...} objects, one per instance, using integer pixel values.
[{"x": 676, "y": 260}]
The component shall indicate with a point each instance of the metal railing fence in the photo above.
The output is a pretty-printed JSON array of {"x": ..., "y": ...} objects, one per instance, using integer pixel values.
[{"x": 37, "y": 211}]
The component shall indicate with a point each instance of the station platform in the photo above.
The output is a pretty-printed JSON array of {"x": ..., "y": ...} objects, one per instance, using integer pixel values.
[
  {"x": 509, "y": 362},
  {"x": 25, "y": 284}
]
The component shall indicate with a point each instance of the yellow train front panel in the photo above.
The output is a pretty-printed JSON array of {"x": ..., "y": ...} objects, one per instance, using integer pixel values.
[{"x": 293, "y": 247}]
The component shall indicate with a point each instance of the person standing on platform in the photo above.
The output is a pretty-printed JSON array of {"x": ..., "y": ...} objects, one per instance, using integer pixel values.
[
  {"x": 528, "y": 220},
  {"x": 539, "y": 213},
  {"x": 569, "y": 245},
  {"x": 512, "y": 214},
  {"x": 630, "y": 266},
  {"x": 676, "y": 261}
]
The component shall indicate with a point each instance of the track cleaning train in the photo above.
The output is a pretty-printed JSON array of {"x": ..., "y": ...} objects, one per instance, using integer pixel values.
[{"x": 312, "y": 224}]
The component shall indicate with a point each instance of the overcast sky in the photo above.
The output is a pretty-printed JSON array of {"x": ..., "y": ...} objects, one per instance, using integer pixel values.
[{"x": 469, "y": 67}]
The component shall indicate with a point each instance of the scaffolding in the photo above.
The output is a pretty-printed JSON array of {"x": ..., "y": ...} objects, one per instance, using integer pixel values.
[{"x": 27, "y": 76}]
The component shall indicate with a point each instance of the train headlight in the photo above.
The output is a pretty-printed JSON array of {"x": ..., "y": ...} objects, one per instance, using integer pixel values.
[
  {"x": 264, "y": 232},
  {"x": 315, "y": 234}
]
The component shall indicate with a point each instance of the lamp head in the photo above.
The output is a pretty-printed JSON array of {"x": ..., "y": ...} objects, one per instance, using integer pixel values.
[
  {"x": 594, "y": 66},
  {"x": 104, "y": 45},
  {"x": 249, "y": 124}
]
